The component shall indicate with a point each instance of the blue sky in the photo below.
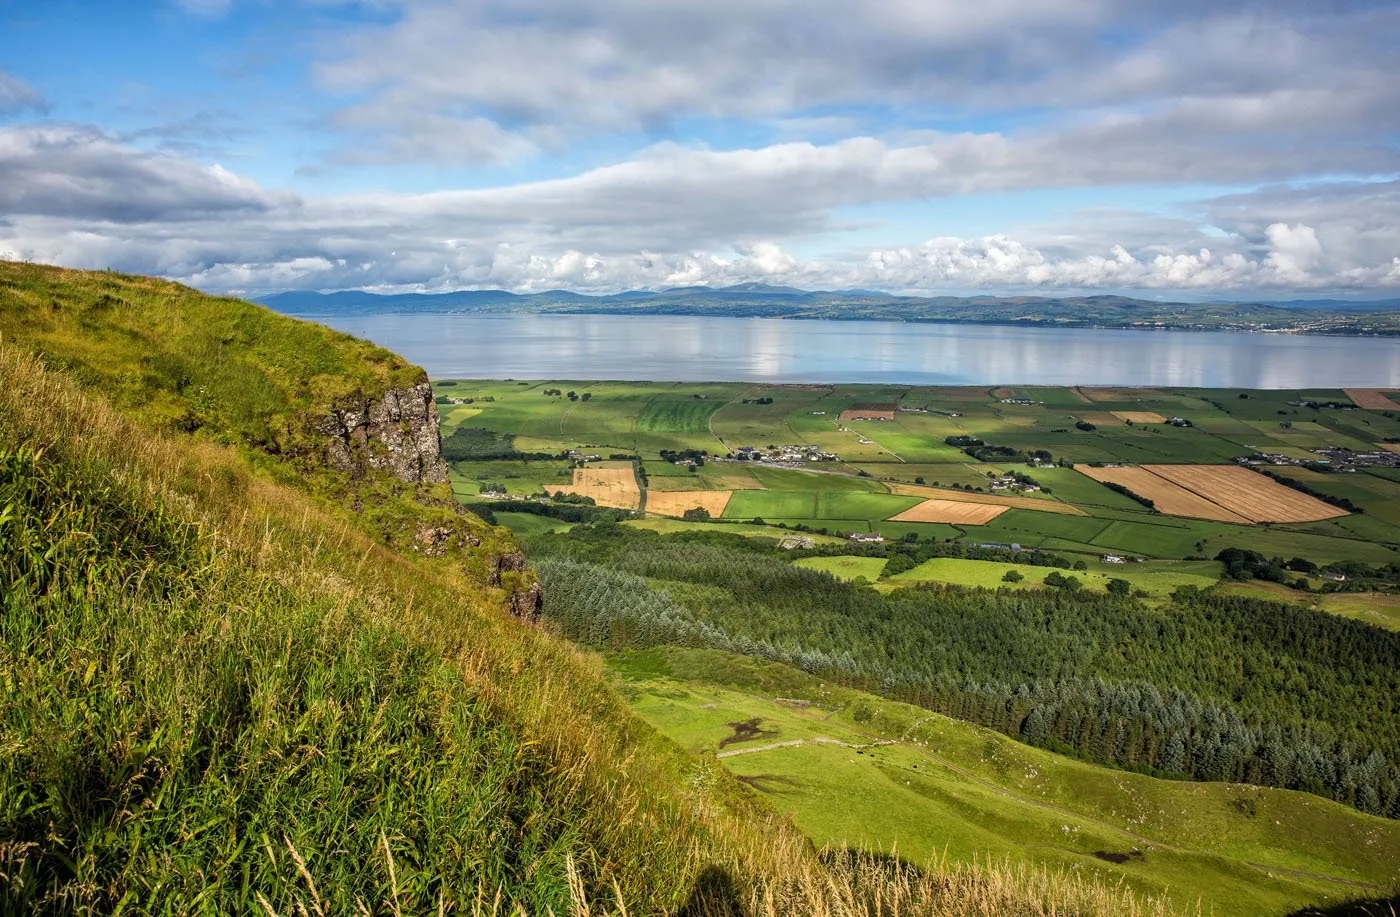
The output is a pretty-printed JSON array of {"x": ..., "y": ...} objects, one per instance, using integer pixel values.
[{"x": 1155, "y": 148}]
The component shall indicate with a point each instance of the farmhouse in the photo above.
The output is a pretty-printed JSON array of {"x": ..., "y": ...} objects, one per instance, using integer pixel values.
[{"x": 865, "y": 537}]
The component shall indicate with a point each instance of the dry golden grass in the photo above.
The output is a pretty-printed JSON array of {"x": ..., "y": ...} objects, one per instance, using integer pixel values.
[
  {"x": 676, "y": 502},
  {"x": 1247, "y": 493},
  {"x": 1139, "y": 416},
  {"x": 1102, "y": 419},
  {"x": 608, "y": 485},
  {"x": 936, "y": 510},
  {"x": 962, "y": 496},
  {"x": 1390, "y": 447},
  {"x": 1171, "y": 499},
  {"x": 862, "y": 414},
  {"x": 1371, "y": 399}
]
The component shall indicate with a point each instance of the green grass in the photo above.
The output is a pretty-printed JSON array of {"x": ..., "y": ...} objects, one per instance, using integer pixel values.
[
  {"x": 526, "y": 524},
  {"x": 1157, "y": 579},
  {"x": 947, "y": 787},
  {"x": 848, "y": 568}
]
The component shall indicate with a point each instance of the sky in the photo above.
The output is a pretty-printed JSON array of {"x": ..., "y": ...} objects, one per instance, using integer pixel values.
[{"x": 1157, "y": 148}]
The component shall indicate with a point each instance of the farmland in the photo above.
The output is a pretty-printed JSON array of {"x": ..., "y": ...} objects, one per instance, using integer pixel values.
[{"x": 1025, "y": 466}]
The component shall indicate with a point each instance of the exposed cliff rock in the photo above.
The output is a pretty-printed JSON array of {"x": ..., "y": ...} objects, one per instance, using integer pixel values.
[{"x": 396, "y": 432}]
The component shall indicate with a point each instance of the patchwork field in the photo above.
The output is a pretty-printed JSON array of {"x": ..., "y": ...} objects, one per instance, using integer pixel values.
[
  {"x": 675, "y": 503},
  {"x": 1247, "y": 493},
  {"x": 1203, "y": 502},
  {"x": 955, "y": 512},
  {"x": 612, "y": 484},
  {"x": 1167, "y": 497}
]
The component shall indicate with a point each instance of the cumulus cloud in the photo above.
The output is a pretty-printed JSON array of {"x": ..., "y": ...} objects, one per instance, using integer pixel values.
[
  {"x": 542, "y": 70},
  {"x": 675, "y": 215},
  {"x": 82, "y": 173}
]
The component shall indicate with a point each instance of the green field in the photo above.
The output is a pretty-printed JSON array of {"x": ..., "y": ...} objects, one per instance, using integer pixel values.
[
  {"x": 1154, "y": 577},
  {"x": 867, "y": 568},
  {"x": 942, "y": 788}
]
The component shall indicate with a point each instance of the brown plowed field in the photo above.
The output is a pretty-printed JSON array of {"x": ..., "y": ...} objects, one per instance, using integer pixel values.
[
  {"x": 1247, "y": 492},
  {"x": 676, "y": 502},
  {"x": 1168, "y": 498},
  {"x": 1370, "y": 399},
  {"x": 608, "y": 486},
  {"x": 950, "y": 511},
  {"x": 962, "y": 496},
  {"x": 1139, "y": 416}
]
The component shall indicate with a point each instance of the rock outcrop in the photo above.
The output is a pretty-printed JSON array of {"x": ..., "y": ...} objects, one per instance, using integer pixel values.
[{"x": 396, "y": 432}]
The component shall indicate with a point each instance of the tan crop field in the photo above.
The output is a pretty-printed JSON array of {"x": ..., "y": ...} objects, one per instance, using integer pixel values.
[
  {"x": 1139, "y": 416},
  {"x": 1371, "y": 399},
  {"x": 936, "y": 510},
  {"x": 862, "y": 414},
  {"x": 1248, "y": 493},
  {"x": 1102, "y": 419},
  {"x": 610, "y": 484},
  {"x": 676, "y": 502},
  {"x": 962, "y": 496},
  {"x": 1171, "y": 499},
  {"x": 1390, "y": 447}
]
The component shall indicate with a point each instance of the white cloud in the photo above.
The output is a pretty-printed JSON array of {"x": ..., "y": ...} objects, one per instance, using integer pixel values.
[{"x": 675, "y": 215}]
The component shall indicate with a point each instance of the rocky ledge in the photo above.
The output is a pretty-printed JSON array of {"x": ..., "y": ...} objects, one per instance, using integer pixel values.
[{"x": 396, "y": 432}]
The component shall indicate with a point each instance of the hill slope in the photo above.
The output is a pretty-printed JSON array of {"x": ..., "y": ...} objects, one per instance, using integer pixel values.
[{"x": 255, "y": 661}]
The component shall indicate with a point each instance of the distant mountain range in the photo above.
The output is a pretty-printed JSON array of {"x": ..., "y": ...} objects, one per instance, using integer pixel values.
[{"x": 757, "y": 300}]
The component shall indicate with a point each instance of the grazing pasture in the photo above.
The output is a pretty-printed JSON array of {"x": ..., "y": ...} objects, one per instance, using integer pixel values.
[{"x": 1248, "y": 493}]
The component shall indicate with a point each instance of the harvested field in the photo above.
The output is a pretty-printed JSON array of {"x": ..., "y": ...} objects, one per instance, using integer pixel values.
[
  {"x": 612, "y": 485},
  {"x": 1248, "y": 493},
  {"x": 734, "y": 482},
  {"x": 936, "y": 510},
  {"x": 1171, "y": 499},
  {"x": 863, "y": 414},
  {"x": 1102, "y": 419},
  {"x": 1079, "y": 393},
  {"x": 676, "y": 502},
  {"x": 961, "y": 496},
  {"x": 1371, "y": 399},
  {"x": 1139, "y": 416},
  {"x": 1390, "y": 447},
  {"x": 1115, "y": 394}
]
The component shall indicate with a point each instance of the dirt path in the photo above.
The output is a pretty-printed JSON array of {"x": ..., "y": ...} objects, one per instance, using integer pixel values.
[
  {"x": 710, "y": 421},
  {"x": 793, "y": 743}
]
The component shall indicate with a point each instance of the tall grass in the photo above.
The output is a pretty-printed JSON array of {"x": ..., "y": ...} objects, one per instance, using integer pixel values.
[{"x": 221, "y": 696}]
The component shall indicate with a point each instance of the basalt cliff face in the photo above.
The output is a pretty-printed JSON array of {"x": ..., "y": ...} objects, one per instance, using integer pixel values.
[
  {"x": 399, "y": 432},
  {"x": 396, "y": 432}
]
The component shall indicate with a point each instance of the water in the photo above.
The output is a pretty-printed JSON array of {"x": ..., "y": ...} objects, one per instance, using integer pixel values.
[{"x": 695, "y": 348}]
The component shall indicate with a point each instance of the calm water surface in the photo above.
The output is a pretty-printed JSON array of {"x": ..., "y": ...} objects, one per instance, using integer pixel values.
[{"x": 695, "y": 348}]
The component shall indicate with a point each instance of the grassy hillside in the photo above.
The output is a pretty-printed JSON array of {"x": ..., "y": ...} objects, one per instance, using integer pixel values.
[
  {"x": 231, "y": 686},
  {"x": 864, "y": 769}
]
